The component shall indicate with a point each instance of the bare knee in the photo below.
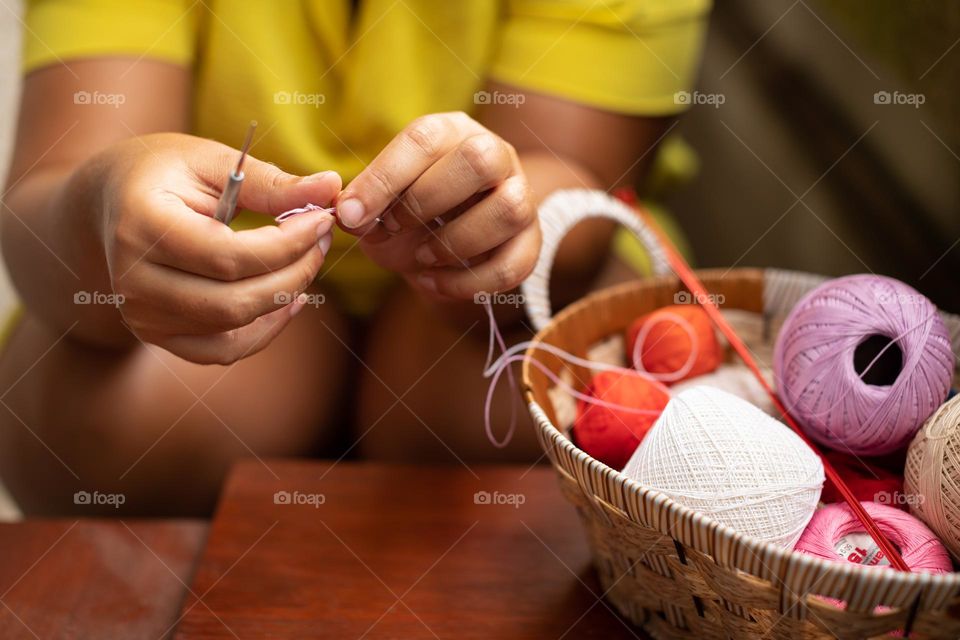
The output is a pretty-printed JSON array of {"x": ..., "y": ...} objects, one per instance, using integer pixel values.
[{"x": 154, "y": 429}]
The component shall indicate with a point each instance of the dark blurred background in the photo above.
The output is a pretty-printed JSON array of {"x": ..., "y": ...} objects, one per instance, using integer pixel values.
[{"x": 803, "y": 167}]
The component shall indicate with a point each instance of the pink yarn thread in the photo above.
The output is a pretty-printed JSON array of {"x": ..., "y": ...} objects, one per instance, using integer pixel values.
[
  {"x": 515, "y": 354},
  {"x": 286, "y": 215},
  {"x": 814, "y": 354},
  {"x": 918, "y": 546}
]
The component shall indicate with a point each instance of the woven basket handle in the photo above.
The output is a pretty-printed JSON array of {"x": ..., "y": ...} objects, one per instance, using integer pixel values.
[{"x": 559, "y": 213}]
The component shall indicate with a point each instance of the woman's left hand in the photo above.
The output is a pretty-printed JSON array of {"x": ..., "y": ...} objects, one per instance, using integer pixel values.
[{"x": 456, "y": 215}]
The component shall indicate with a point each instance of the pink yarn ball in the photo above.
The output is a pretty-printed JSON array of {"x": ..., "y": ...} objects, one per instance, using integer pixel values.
[
  {"x": 919, "y": 547},
  {"x": 861, "y": 362}
]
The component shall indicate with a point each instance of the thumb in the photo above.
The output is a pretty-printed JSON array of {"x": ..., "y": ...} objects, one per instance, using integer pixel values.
[{"x": 270, "y": 190}]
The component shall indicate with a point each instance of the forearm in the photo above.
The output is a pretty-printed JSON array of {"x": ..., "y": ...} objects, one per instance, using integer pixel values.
[
  {"x": 584, "y": 250},
  {"x": 50, "y": 227}
]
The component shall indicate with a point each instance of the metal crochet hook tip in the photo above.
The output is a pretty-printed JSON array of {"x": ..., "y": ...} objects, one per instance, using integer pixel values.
[
  {"x": 245, "y": 147},
  {"x": 227, "y": 205}
]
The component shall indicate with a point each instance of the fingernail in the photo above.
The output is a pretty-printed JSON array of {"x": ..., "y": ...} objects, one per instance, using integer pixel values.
[
  {"x": 297, "y": 306},
  {"x": 324, "y": 244},
  {"x": 350, "y": 212},
  {"x": 425, "y": 255},
  {"x": 390, "y": 223},
  {"x": 428, "y": 282},
  {"x": 317, "y": 177}
]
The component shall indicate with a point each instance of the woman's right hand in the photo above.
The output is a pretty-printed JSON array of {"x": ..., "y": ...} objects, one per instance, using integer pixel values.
[{"x": 185, "y": 281}]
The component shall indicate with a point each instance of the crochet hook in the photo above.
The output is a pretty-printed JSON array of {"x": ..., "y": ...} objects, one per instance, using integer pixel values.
[{"x": 227, "y": 206}]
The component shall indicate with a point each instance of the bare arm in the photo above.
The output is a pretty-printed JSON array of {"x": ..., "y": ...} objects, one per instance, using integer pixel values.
[
  {"x": 564, "y": 145},
  {"x": 99, "y": 203},
  {"x": 49, "y": 223}
]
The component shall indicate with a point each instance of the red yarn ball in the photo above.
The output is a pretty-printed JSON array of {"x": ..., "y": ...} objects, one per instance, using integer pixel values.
[
  {"x": 612, "y": 435},
  {"x": 868, "y": 480},
  {"x": 667, "y": 346}
]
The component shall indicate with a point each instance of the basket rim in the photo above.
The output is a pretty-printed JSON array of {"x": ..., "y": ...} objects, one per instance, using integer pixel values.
[{"x": 702, "y": 527}]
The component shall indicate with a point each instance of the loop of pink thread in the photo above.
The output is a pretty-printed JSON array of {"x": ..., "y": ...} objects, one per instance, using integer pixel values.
[
  {"x": 511, "y": 355},
  {"x": 286, "y": 215}
]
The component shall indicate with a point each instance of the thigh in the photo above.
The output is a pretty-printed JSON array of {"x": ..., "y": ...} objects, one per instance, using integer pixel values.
[
  {"x": 158, "y": 429},
  {"x": 422, "y": 391}
]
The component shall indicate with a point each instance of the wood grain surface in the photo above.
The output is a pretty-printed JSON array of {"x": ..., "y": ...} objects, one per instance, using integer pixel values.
[
  {"x": 95, "y": 578},
  {"x": 357, "y": 550}
]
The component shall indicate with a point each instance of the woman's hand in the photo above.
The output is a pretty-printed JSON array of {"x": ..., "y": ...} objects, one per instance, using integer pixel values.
[
  {"x": 185, "y": 281},
  {"x": 456, "y": 213}
]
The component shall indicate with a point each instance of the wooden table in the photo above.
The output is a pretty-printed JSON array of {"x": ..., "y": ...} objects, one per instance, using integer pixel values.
[
  {"x": 95, "y": 578},
  {"x": 320, "y": 550},
  {"x": 380, "y": 551}
]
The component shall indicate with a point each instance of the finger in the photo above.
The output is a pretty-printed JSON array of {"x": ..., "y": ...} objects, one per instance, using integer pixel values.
[
  {"x": 228, "y": 347},
  {"x": 266, "y": 188},
  {"x": 504, "y": 213},
  {"x": 397, "y": 254},
  {"x": 401, "y": 162},
  {"x": 506, "y": 268},
  {"x": 476, "y": 164},
  {"x": 203, "y": 246},
  {"x": 219, "y": 306}
]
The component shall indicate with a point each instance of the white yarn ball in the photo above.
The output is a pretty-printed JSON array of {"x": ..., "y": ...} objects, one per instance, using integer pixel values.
[{"x": 720, "y": 455}]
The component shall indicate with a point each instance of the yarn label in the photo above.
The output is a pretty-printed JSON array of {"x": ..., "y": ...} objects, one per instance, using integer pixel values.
[{"x": 859, "y": 548}]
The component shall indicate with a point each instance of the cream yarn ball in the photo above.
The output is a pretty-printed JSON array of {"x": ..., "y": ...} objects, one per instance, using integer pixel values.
[
  {"x": 738, "y": 380},
  {"x": 720, "y": 455},
  {"x": 931, "y": 480}
]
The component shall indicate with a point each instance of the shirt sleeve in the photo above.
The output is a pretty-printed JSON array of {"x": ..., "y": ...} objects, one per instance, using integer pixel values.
[
  {"x": 58, "y": 30},
  {"x": 626, "y": 56}
]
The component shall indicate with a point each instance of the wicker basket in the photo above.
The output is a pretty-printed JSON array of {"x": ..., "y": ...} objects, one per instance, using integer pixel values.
[{"x": 665, "y": 567}]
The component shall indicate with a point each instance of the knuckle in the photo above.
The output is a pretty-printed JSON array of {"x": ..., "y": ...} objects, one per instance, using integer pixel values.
[
  {"x": 460, "y": 118},
  {"x": 275, "y": 181},
  {"x": 308, "y": 272},
  {"x": 425, "y": 134},
  {"x": 410, "y": 205},
  {"x": 126, "y": 236},
  {"x": 479, "y": 153},
  {"x": 506, "y": 275},
  {"x": 225, "y": 266},
  {"x": 232, "y": 312},
  {"x": 382, "y": 182},
  {"x": 513, "y": 209},
  {"x": 230, "y": 352}
]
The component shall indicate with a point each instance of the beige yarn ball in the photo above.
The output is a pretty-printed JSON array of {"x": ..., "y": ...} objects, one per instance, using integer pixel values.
[
  {"x": 718, "y": 454},
  {"x": 932, "y": 475}
]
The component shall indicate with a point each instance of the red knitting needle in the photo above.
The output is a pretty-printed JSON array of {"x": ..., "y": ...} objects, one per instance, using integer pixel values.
[{"x": 690, "y": 280}]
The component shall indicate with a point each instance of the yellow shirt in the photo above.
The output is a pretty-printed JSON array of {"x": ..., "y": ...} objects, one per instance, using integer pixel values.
[{"x": 330, "y": 90}]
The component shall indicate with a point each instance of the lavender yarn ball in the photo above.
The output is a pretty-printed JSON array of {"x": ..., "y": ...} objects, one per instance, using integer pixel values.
[{"x": 861, "y": 362}]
